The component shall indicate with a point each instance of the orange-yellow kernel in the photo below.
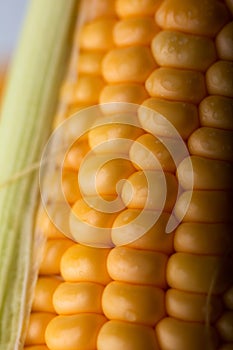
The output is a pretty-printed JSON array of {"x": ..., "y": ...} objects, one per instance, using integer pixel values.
[
  {"x": 74, "y": 331},
  {"x": 114, "y": 137},
  {"x": 205, "y": 239},
  {"x": 90, "y": 223},
  {"x": 192, "y": 307},
  {"x": 180, "y": 50},
  {"x": 155, "y": 238},
  {"x": 75, "y": 155},
  {"x": 149, "y": 153},
  {"x": 212, "y": 143},
  {"x": 131, "y": 8},
  {"x": 126, "y": 92},
  {"x": 204, "y": 206},
  {"x": 38, "y": 322},
  {"x": 70, "y": 186},
  {"x": 87, "y": 89},
  {"x": 74, "y": 298},
  {"x": 224, "y": 42},
  {"x": 129, "y": 64},
  {"x": 219, "y": 79},
  {"x": 86, "y": 264},
  {"x": 160, "y": 116},
  {"x": 90, "y": 62},
  {"x": 36, "y": 347},
  {"x": 228, "y": 298},
  {"x": 216, "y": 112},
  {"x": 197, "y": 273},
  {"x": 46, "y": 226},
  {"x": 225, "y": 326},
  {"x": 137, "y": 266},
  {"x": 149, "y": 189},
  {"x": 117, "y": 335},
  {"x": 101, "y": 176},
  {"x": 134, "y": 31},
  {"x": 204, "y": 17},
  {"x": 97, "y": 9},
  {"x": 176, "y": 84},
  {"x": 206, "y": 174},
  {"x": 97, "y": 35},
  {"x": 54, "y": 249},
  {"x": 173, "y": 334},
  {"x": 133, "y": 303},
  {"x": 43, "y": 294}
]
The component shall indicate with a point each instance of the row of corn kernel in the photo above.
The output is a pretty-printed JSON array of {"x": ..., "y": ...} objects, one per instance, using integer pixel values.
[{"x": 201, "y": 234}]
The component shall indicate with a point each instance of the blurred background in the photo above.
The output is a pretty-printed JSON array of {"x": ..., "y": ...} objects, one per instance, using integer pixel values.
[{"x": 11, "y": 17}]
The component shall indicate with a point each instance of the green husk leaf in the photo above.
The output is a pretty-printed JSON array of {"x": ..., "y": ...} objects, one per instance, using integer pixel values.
[{"x": 25, "y": 123}]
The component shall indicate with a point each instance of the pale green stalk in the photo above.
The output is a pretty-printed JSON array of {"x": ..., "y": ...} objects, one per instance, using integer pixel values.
[{"x": 25, "y": 124}]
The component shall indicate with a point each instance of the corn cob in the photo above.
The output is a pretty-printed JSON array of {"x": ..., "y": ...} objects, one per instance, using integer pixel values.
[{"x": 160, "y": 291}]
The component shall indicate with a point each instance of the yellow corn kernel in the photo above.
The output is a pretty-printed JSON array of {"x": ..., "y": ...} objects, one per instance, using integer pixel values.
[
  {"x": 219, "y": 79},
  {"x": 74, "y": 298},
  {"x": 54, "y": 249},
  {"x": 97, "y": 35},
  {"x": 197, "y": 273},
  {"x": 192, "y": 307},
  {"x": 149, "y": 189},
  {"x": 228, "y": 298},
  {"x": 149, "y": 153},
  {"x": 126, "y": 92},
  {"x": 101, "y": 176},
  {"x": 43, "y": 294},
  {"x": 97, "y": 9},
  {"x": 133, "y": 303},
  {"x": 131, "y": 8},
  {"x": 86, "y": 264},
  {"x": 183, "y": 116},
  {"x": 129, "y": 64},
  {"x": 192, "y": 16},
  {"x": 207, "y": 174},
  {"x": 201, "y": 238},
  {"x": 180, "y": 50},
  {"x": 194, "y": 335},
  {"x": 89, "y": 62},
  {"x": 70, "y": 186},
  {"x": 204, "y": 206},
  {"x": 75, "y": 155},
  {"x": 176, "y": 84},
  {"x": 117, "y": 335},
  {"x": 108, "y": 135},
  {"x": 87, "y": 89},
  {"x": 36, "y": 328},
  {"x": 74, "y": 331},
  {"x": 216, "y": 112},
  {"x": 224, "y": 42},
  {"x": 154, "y": 239},
  {"x": 137, "y": 266},
  {"x": 134, "y": 31},
  {"x": 212, "y": 143},
  {"x": 46, "y": 226},
  {"x": 90, "y": 223},
  {"x": 225, "y": 326}
]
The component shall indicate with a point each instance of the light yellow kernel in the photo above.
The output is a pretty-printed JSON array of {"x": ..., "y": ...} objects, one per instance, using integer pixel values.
[
  {"x": 180, "y": 50},
  {"x": 176, "y": 84},
  {"x": 219, "y": 79},
  {"x": 216, "y": 111},
  {"x": 126, "y": 92},
  {"x": 89, "y": 62},
  {"x": 117, "y": 335},
  {"x": 43, "y": 294},
  {"x": 87, "y": 89},
  {"x": 135, "y": 31},
  {"x": 137, "y": 266},
  {"x": 212, "y": 143},
  {"x": 97, "y": 35},
  {"x": 203, "y": 17},
  {"x": 197, "y": 273},
  {"x": 130, "y": 64},
  {"x": 38, "y": 322},
  {"x": 174, "y": 334},
  {"x": 224, "y": 42},
  {"x": 131, "y": 8}
]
